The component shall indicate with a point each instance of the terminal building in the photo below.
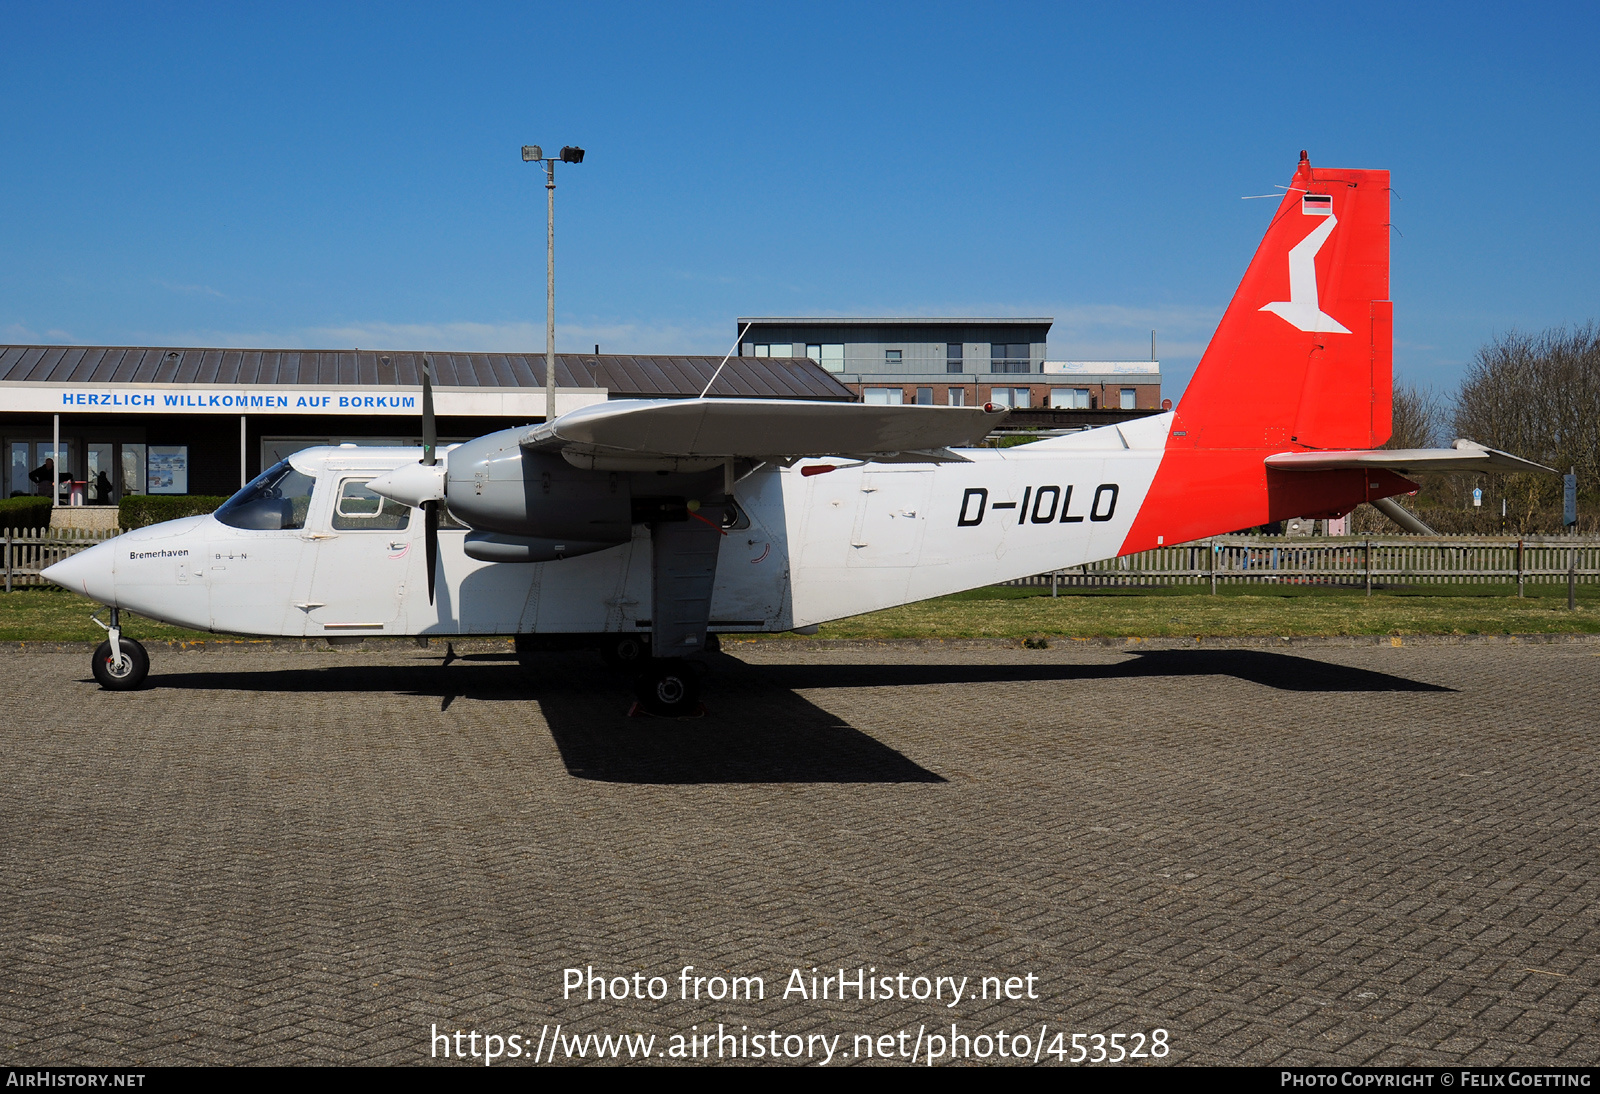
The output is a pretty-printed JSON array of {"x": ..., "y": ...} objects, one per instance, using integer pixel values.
[
  {"x": 955, "y": 362},
  {"x": 111, "y": 421}
]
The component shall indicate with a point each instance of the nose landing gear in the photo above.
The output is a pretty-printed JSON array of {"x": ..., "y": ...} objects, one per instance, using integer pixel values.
[{"x": 119, "y": 664}]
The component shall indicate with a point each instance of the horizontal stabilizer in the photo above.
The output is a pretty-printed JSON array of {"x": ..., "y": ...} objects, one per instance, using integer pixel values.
[
  {"x": 764, "y": 429},
  {"x": 1465, "y": 456}
]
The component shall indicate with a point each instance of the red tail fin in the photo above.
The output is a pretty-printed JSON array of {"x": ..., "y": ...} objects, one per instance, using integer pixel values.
[{"x": 1301, "y": 360}]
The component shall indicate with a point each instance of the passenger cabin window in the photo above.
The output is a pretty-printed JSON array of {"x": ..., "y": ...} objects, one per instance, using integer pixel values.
[
  {"x": 275, "y": 500},
  {"x": 360, "y": 510}
]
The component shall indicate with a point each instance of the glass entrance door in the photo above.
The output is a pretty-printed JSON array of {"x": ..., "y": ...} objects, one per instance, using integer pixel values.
[
  {"x": 25, "y": 470},
  {"x": 100, "y": 477}
]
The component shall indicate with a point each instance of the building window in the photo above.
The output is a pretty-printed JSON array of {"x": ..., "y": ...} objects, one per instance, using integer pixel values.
[
  {"x": 773, "y": 349},
  {"x": 1010, "y": 357},
  {"x": 884, "y": 396},
  {"x": 924, "y": 396},
  {"x": 830, "y": 355},
  {"x": 1014, "y": 397},
  {"x": 891, "y": 356},
  {"x": 952, "y": 359},
  {"x": 1127, "y": 398},
  {"x": 957, "y": 396},
  {"x": 1069, "y": 398}
]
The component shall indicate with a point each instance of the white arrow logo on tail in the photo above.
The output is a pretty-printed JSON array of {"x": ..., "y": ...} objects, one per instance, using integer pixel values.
[{"x": 1302, "y": 309}]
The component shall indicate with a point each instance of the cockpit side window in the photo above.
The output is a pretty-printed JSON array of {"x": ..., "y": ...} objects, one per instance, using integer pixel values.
[
  {"x": 358, "y": 509},
  {"x": 275, "y": 500}
]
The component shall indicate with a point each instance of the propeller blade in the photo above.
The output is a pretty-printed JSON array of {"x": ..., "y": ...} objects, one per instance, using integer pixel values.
[
  {"x": 430, "y": 541},
  {"x": 430, "y": 434},
  {"x": 430, "y": 509}
]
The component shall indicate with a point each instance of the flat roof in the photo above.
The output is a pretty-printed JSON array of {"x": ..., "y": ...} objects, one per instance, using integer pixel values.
[
  {"x": 924, "y": 321},
  {"x": 626, "y": 375}
]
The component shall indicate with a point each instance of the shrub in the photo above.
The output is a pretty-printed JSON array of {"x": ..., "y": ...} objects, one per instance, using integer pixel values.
[
  {"x": 25, "y": 513},
  {"x": 139, "y": 510}
]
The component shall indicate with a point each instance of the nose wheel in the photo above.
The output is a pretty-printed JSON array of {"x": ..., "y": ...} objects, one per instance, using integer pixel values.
[
  {"x": 119, "y": 664},
  {"x": 122, "y": 674}
]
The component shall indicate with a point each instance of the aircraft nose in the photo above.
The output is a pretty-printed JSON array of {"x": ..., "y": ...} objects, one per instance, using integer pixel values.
[{"x": 88, "y": 572}]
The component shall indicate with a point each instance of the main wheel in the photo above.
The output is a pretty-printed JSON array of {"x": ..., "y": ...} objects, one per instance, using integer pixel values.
[
  {"x": 668, "y": 687},
  {"x": 126, "y": 676},
  {"x": 624, "y": 650}
]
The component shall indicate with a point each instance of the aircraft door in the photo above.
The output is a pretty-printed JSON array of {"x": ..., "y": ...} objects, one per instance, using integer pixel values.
[
  {"x": 890, "y": 518},
  {"x": 361, "y": 563}
]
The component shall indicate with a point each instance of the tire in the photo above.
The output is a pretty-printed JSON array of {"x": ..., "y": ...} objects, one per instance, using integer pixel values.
[
  {"x": 136, "y": 666},
  {"x": 624, "y": 650},
  {"x": 670, "y": 688}
]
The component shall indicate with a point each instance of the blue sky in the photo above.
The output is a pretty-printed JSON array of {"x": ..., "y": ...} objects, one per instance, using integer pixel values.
[{"x": 335, "y": 174}]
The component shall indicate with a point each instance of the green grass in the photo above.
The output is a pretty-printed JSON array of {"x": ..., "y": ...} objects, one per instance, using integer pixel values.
[
  {"x": 41, "y": 614},
  {"x": 55, "y": 615},
  {"x": 1236, "y": 611}
]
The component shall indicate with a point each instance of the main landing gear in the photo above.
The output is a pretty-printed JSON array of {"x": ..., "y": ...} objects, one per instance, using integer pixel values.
[
  {"x": 625, "y": 651},
  {"x": 668, "y": 687},
  {"x": 119, "y": 664}
]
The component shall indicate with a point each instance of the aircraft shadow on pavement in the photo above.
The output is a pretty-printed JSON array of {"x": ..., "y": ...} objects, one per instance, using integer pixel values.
[
  {"x": 757, "y": 728},
  {"x": 1283, "y": 671},
  {"x": 753, "y": 732}
]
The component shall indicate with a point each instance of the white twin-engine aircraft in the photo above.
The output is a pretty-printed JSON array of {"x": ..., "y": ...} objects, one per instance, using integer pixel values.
[{"x": 643, "y": 527}]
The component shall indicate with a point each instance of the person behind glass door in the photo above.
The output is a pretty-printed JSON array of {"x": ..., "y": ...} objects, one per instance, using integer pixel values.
[
  {"x": 44, "y": 473},
  {"x": 102, "y": 489}
]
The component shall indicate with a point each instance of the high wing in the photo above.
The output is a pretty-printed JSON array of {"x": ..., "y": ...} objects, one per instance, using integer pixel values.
[
  {"x": 1464, "y": 456},
  {"x": 636, "y": 434}
]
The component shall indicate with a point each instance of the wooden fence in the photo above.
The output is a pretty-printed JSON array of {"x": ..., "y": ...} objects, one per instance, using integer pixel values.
[
  {"x": 30, "y": 550},
  {"x": 1346, "y": 561},
  {"x": 1226, "y": 560}
]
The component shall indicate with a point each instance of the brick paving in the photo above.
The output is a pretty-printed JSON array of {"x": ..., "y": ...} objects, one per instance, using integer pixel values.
[{"x": 1337, "y": 856}]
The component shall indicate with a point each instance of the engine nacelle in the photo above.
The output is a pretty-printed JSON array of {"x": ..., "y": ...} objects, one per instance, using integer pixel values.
[{"x": 495, "y": 485}]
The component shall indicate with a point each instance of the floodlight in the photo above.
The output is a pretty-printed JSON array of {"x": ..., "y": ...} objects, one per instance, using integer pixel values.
[
  {"x": 572, "y": 154},
  {"x": 531, "y": 152}
]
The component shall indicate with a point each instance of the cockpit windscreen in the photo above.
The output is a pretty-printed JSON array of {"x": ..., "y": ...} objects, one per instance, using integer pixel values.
[{"x": 276, "y": 499}]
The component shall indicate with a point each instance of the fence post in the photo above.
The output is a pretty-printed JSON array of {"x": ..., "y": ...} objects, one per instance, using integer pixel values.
[
  {"x": 8, "y": 560},
  {"x": 1519, "y": 568},
  {"x": 1054, "y": 574},
  {"x": 1368, "y": 567},
  {"x": 1572, "y": 580}
]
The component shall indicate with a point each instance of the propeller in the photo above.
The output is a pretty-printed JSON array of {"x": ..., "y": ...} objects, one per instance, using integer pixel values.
[{"x": 430, "y": 508}]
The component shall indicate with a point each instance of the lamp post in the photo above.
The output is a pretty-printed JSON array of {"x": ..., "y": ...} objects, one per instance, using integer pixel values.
[{"x": 532, "y": 153}]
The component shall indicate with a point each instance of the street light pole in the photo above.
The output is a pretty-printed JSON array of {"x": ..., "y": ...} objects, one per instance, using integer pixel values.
[
  {"x": 550, "y": 294},
  {"x": 532, "y": 153}
]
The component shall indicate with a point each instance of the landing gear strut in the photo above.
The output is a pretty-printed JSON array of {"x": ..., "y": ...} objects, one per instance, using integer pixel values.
[{"x": 119, "y": 664}]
